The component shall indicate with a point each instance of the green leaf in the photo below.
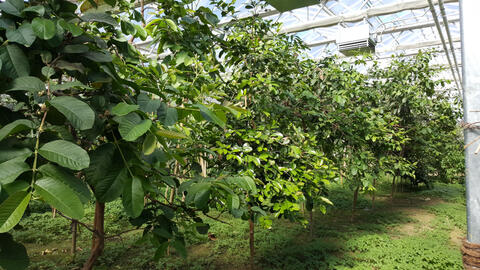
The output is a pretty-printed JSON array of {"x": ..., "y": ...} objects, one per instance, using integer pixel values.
[
  {"x": 14, "y": 62},
  {"x": 99, "y": 57},
  {"x": 13, "y": 255},
  {"x": 75, "y": 48},
  {"x": 61, "y": 64},
  {"x": 12, "y": 209},
  {"x": 100, "y": 163},
  {"x": 11, "y": 169},
  {"x": 168, "y": 116},
  {"x": 7, "y": 153},
  {"x": 48, "y": 72},
  {"x": 170, "y": 134},
  {"x": 27, "y": 83},
  {"x": 147, "y": 104},
  {"x": 244, "y": 182},
  {"x": 68, "y": 179},
  {"x": 39, "y": 10},
  {"x": 66, "y": 154},
  {"x": 128, "y": 28},
  {"x": 210, "y": 116},
  {"x": 76, "y": 111},
  {"x": 131, "y": 126},
  {"x": 15, "y": 127},
  {"x": 99, "y": 17},
  {"x": 72, "y": 28},
  {"x": 133, "y": 197},
  {"x": 23, "y": 35},
  {"x": 140, "y": 32},
  {"x": 13, "y": 7},
  {"x": 69, "y": 85},
  {"x": 123, "y": 108},
  {"x": 60, "y": 196},
  {"x": 111, "y": 186},
  {"x": 43, "y": 28},
  {"x": 149, "y": 144},
  {"x": 7, "y": 24}
]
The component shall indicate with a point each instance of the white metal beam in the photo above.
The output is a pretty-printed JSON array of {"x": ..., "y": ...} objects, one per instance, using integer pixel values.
[{"x": 356, "y": 16}]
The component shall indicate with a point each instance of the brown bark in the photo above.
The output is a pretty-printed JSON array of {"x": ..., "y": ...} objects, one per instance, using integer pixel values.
[
  {"x": 74, "y": 239},
  {"x": 354, "y": 204},
  {"x": 98, "y": 239}
]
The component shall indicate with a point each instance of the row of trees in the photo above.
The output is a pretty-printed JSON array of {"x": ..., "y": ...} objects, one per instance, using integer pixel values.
[{"x": 239, "y": 122}]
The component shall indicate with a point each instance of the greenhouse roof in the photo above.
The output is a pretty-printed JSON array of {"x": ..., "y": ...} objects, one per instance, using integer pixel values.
[{"x": 398, "y": 26}]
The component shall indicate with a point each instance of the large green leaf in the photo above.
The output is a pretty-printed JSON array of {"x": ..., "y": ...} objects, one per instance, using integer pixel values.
[
  {"x": 14, "y": 62},
  {"x": 147, "y": 104},
  {"x": 23, "y": 35},
  {"x": 149, "y": 144},
  {"x": 13, "y": 7},
  {"x": 67, "y": 178},
  {"x": 12, "y": 209},
  {"x": 66, "y": 154},
  {"x": 123, "y": 108},
  {"x": 11, "y": 169},
  {"x": 210, "y": 116},
  {"x": 38, "y": 10},
  {"x": 244, "y": 182},
  {"x": 15, "y": 127},
  {"x": 13, "y": 255},
  {"x": 7, "y": 24},
  {"x": 131, "y": 126},
  {"x": 72, "y": 28},
  {"x": 8, "y": 153},
  {"x": 169, "y": 134},
  {"x": 133, "y": 197},
  {"x": 111, "y": 186},
  {"x": 99, "y": 57},
  {"x": 27, "y": 83},
  {"x": 76, "y": 111},
  {"x": 99, "y": 17},
  {"x": 60, "y": 196},
  {"x": 168, "y": 116},
  {"x": 43, "y": 28},
  {"x": 100, "y": 162}
]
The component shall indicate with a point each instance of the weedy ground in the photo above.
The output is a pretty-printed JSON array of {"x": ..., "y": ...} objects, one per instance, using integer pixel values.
[{"x": 419, "y": 229}]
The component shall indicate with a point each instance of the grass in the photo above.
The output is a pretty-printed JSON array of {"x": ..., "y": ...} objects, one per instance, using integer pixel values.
[{"x": 415, "y": 230}]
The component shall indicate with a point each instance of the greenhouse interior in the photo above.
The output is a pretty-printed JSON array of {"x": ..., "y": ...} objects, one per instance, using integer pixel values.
[{"x": 239, "y": 134}]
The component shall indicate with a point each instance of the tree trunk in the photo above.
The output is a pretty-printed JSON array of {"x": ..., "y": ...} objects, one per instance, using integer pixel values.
[
  {"x": 373, "y": 195},
  {"x": 252, "y": 243},
  {"x": 354, "y": 205},
  {"x": 311, "y": 224},
  {"x": 393, "y": 187},
  {"x": 98, "y": 239},
  {"x": 74, "y": 239}
]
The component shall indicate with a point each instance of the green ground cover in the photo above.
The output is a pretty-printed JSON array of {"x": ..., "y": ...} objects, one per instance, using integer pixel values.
[{"x": 415, "y": 230}]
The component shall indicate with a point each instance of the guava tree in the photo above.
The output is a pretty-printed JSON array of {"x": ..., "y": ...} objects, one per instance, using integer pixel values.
[{"x": 86, "y": 117}]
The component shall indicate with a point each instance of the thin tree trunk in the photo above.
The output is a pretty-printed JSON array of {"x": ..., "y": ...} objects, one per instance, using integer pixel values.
[
  {"x": 373, "y": 195},
  {"x": 54, "y": 212},
  {"x": 311, "y": 224},
  {"x": 354, "y": 205},
  {"x": 252, "y": 243},
  {"x": 74, "y": 239},
  {"x": 98, "y": 240},
  {"x": 393, "y": 186}
]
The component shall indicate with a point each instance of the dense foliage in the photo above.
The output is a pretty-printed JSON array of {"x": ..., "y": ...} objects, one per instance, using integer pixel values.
[{"x": 239, "y": 122}]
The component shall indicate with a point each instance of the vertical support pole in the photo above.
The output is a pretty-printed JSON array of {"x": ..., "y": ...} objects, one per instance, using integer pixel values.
[{"x": 471, "y": 105}]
